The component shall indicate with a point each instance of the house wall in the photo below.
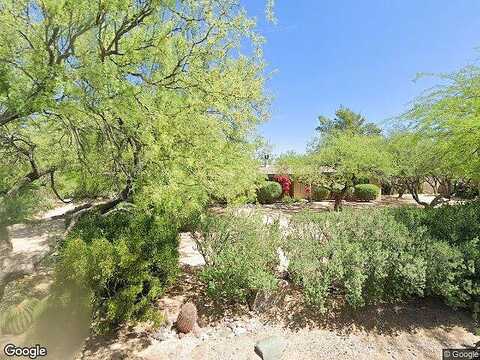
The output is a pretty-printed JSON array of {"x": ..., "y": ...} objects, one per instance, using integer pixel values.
[{"x": 298, "y": 190}]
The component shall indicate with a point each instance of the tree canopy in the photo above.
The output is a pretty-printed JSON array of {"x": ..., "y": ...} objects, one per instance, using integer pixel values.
[
  {"x": 339, "y": 160},
  {"x": 346, "y": 120},
  {"x": 123, "y": 99}
]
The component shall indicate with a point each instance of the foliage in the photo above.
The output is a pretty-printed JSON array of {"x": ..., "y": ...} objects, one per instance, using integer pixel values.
[
  {"x": 147, "y": 100},
  {"x": 240, "y": 254},
  {"x": 285, "y": 181},
  {"x": 418, "y": 159},
  {"x": 366, "y": 255},
  {"x": 448, "y": 113},
  {"x": 18, "y": 318},
  {"x": 320, "y": 193},
  {"x": 288, "y": 200},
  {"x": 337, "y": 161},
  {"x": 366, "y": 192},
  {"x": 30, "y": 201},
  {"x": 347, "y": 121},
  {"x": 269, "y": 192},
  {"x": 454, "y": 224},
  {"x": 117, "y": 265},
  {"x": 454, "y": 254}
]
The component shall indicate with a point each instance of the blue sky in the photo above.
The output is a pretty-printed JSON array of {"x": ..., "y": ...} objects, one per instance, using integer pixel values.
[{"x": 360, "y": 54}]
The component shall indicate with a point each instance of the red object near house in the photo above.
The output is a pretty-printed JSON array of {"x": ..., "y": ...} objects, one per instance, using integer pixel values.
[{"x": 285, "y": 182}]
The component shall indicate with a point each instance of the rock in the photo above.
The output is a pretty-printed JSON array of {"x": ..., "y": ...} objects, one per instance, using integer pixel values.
[
  {"x": 283, "y": 263},
  {"x": 264, "y": 300},
  {"x": 270, "y": 348},
  {"x": 239, "y": 331},
  {"x": 163, "y": 334},
  {"x": 187, "y": 318}
]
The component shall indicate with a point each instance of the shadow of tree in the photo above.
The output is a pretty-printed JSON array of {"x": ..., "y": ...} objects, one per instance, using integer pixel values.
[{"x": 295, "y": 314}]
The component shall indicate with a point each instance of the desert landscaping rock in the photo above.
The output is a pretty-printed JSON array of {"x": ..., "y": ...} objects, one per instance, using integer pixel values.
[{"x": 270, "y": 348}]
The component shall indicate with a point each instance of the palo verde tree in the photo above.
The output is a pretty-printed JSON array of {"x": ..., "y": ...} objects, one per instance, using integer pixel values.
[
  {"x": 419, "y": 159},
  {"x": 449, "y": 113},
  {"x": 129, "y": 99},
  {"x": 442, "y": 146},
  {"x": 337, "y": 161}
]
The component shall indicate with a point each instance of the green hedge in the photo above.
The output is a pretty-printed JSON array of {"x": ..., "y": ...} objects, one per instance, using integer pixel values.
[
  {"x": 269, "y": 192},
  {"x": 366, "y": 192},
  {"x": 320, "y": 193}
]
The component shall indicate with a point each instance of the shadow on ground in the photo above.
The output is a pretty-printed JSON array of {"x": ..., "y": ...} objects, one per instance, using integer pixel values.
[{"x": 293, "y": 313}]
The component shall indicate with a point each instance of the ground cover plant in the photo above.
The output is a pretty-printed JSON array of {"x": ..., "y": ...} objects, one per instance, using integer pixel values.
[{"x": 366, "y": 192}]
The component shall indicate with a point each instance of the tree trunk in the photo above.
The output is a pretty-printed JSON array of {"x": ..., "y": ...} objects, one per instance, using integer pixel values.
[{"x": 338, "y": 206}]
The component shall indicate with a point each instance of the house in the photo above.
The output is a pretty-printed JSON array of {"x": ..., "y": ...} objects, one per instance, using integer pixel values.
[{"x": 297, "y": 190}]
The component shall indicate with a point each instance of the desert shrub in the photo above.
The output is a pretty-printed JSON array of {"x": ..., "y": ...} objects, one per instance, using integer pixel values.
[
  {"x": 366, "y": 192},
  {"x": 467, "y": 191},
  {"x": 320, "y": 193},
  {"x": 22, "y": 206},
  {"x": 453, "y": 252},
  {"x": 366, "y": 255},
  {"x": 116, "y": 266},
  {"x": 240, "y": 254},
  {"x": 454, "y": 224},
  {"x": 269, "y": 192}
]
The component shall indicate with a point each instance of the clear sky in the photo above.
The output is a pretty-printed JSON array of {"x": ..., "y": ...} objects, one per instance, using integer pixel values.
[{"x": 360, "y": 54}]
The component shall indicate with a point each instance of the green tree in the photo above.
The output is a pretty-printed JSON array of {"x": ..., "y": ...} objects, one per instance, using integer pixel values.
[
  {"x": 339, "y": 160},
  {"x": 449, "y": 113},
  {"x": 147, "y": 100},
  {"x": 346, "y": 120}
]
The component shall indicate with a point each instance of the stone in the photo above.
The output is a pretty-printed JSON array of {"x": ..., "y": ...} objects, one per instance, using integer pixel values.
[
  {"x": 270, "y": 348},
  {"x": 163, "y": 334},
  {"x": 283, "y": 263},
  {"x": 239, "y": 331}
]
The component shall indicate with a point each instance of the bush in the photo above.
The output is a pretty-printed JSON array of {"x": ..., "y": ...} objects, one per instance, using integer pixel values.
[
  {"x": 320, "y": 193},
  {"x": 269, "y": 192},
  {"x": 453, "y": 252},
  {"x": 240, "y": 255},
  {"x": 367, "y": 256},
  {"x": 285, "y": 182},
  {"x": 116, "y": 265},
  {"x": 366, "y": 192}
]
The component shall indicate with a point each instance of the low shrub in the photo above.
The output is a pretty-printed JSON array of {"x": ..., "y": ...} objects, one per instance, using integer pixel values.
[
  {"x": 455, "y": 224},
  {"x": 240, "y": 255},
  {"x": 367, "y": 256},
  {"x": 288, "y": 200},
  {"x": 366, "y": 192},
  {"x": 116, "y": 265},
  {"x": 269, "y": 192},
  {"x": 320, "y": 193},
  {"x": 453, "y": 252}
]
